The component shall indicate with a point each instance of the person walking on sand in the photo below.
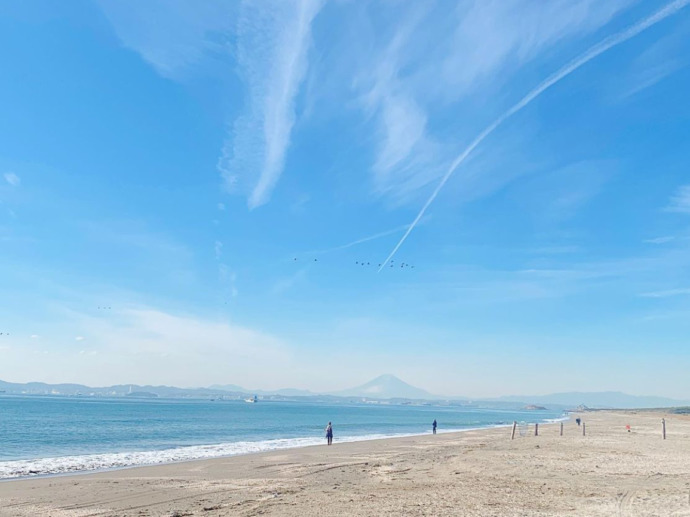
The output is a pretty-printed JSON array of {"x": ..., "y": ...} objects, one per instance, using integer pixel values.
[
  {"x": 329, "y": 433},
  {"x": 433, "y": 426}
]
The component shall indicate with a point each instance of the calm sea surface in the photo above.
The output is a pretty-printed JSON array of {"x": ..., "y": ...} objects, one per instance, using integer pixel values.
[{"x": 50, "y": 435}]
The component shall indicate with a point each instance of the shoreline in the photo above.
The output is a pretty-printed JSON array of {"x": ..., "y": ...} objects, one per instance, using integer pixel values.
[
  {"x": 347, "y": 439},
  {"x": 475, "y": 473}
]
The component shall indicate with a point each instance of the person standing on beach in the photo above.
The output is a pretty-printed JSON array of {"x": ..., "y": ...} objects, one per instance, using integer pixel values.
[
  {"x": 329, "y": 433},
  {"x": 433, "y": 426}
]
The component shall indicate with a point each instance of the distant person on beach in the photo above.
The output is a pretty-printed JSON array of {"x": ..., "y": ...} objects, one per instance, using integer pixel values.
[
  {"x": 577, "y": 420},
  {"x": 433, "y": 426},
  {"x": 329, "y": 433}
]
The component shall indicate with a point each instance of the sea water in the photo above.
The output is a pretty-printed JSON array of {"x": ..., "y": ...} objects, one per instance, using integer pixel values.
[{"x": 57, "y": 435}]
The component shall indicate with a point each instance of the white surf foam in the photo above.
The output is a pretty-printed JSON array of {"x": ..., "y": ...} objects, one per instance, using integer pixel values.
[
  {"x": 94, "y": 462},
  {"x": 91, "y": 462}
]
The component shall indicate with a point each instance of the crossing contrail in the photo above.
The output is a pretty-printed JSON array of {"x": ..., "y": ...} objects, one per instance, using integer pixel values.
[{"x": 601, "y": 47}]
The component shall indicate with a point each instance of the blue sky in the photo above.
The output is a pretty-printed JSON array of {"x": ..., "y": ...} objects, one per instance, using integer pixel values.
[{"x": 213, "y": 173}]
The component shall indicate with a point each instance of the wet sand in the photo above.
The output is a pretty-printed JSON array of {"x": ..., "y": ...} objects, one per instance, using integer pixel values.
[{"x": 608, "y": 472}]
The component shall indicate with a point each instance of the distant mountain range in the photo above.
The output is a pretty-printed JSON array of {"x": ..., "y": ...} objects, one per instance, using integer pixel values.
[
  {"x": 120, "y": 390},
  {"x": 384, "y": 387},
  {"x": 286, "y": 392},
  {"x": 387, "y": 387}
]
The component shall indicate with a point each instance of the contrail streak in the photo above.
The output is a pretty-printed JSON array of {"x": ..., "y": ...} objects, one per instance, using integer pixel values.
[
  {"x": 371, "y": 237},
  {"x": 362, "y": 240},
  {"x": 599, "y": 48}
]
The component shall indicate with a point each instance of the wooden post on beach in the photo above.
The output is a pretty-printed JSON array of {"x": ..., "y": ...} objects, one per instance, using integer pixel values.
[
  {"x": 583, "y": 429},
  {"x": 536, "y": 429},
  {"x": 512, "y": 435},
  {"x": 561, "y": 428},
  {"x": 663, "y": 428}
]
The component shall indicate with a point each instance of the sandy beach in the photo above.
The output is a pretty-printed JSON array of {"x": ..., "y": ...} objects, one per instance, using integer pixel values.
[{"x": 608, "y": 472}]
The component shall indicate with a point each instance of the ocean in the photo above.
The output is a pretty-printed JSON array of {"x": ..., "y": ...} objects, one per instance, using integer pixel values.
[{"x": 58, "y": 435}]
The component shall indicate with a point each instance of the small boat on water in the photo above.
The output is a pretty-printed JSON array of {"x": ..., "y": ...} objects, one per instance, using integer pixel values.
[{"x": 252, "y": 400}]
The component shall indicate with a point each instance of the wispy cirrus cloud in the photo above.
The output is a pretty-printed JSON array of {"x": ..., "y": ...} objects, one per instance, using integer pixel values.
[
  {"x": 12, "y": 179},
  {"x": 175, "y": 36},
  {"x": 680, "y": 201},
  {"x": 273, "y": 42},
  {"x": 150, "y": 345},
  {"x": 408, "y": 83},
  {"x": 660, "y": 240},
  {"x": 593, "y": 52},
  {"x": 287, "y": 283},
  {"x": 667, "y": 293},
  {"x": 226, "y": 278},
  {"x": 265, "y": 42},
  {"x": 661, "y": 60}
]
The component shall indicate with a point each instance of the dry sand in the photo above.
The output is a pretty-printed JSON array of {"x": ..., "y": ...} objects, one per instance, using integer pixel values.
[{"x": 609, "y": 472}]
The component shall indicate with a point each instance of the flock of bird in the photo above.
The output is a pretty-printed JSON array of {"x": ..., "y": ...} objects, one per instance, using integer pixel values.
[{"x": 392, "y": 263}]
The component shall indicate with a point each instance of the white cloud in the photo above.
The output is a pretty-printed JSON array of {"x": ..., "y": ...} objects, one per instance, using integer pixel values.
[
  {"x": 494, "y": 35},
  {"x": 226, "y": 278},
  {"x": 79, "y": 338},
  {"x": 652, "y": 75},
  {"x": 273, "y": 40},
  {"x": 182, "y": 39},
  {"x": 432, "y": 61},
  {"x": 660, "y": 240},
  {"x": 667, "y": 293},
  {"x": 560, "y": 194},
  {"x": 147, "y": 345},
  {"x": 661, "y": 60},
  {"x": 593, "y": 52},
  {"x": 221, "y": 206},
  {"x": 34, "y": 336},
  {"x": 680, "y": 201},
  {"x": 175, "y": 36},
  {"x": 12, "y": 179},
  {"x": 287, "y": 283}
]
